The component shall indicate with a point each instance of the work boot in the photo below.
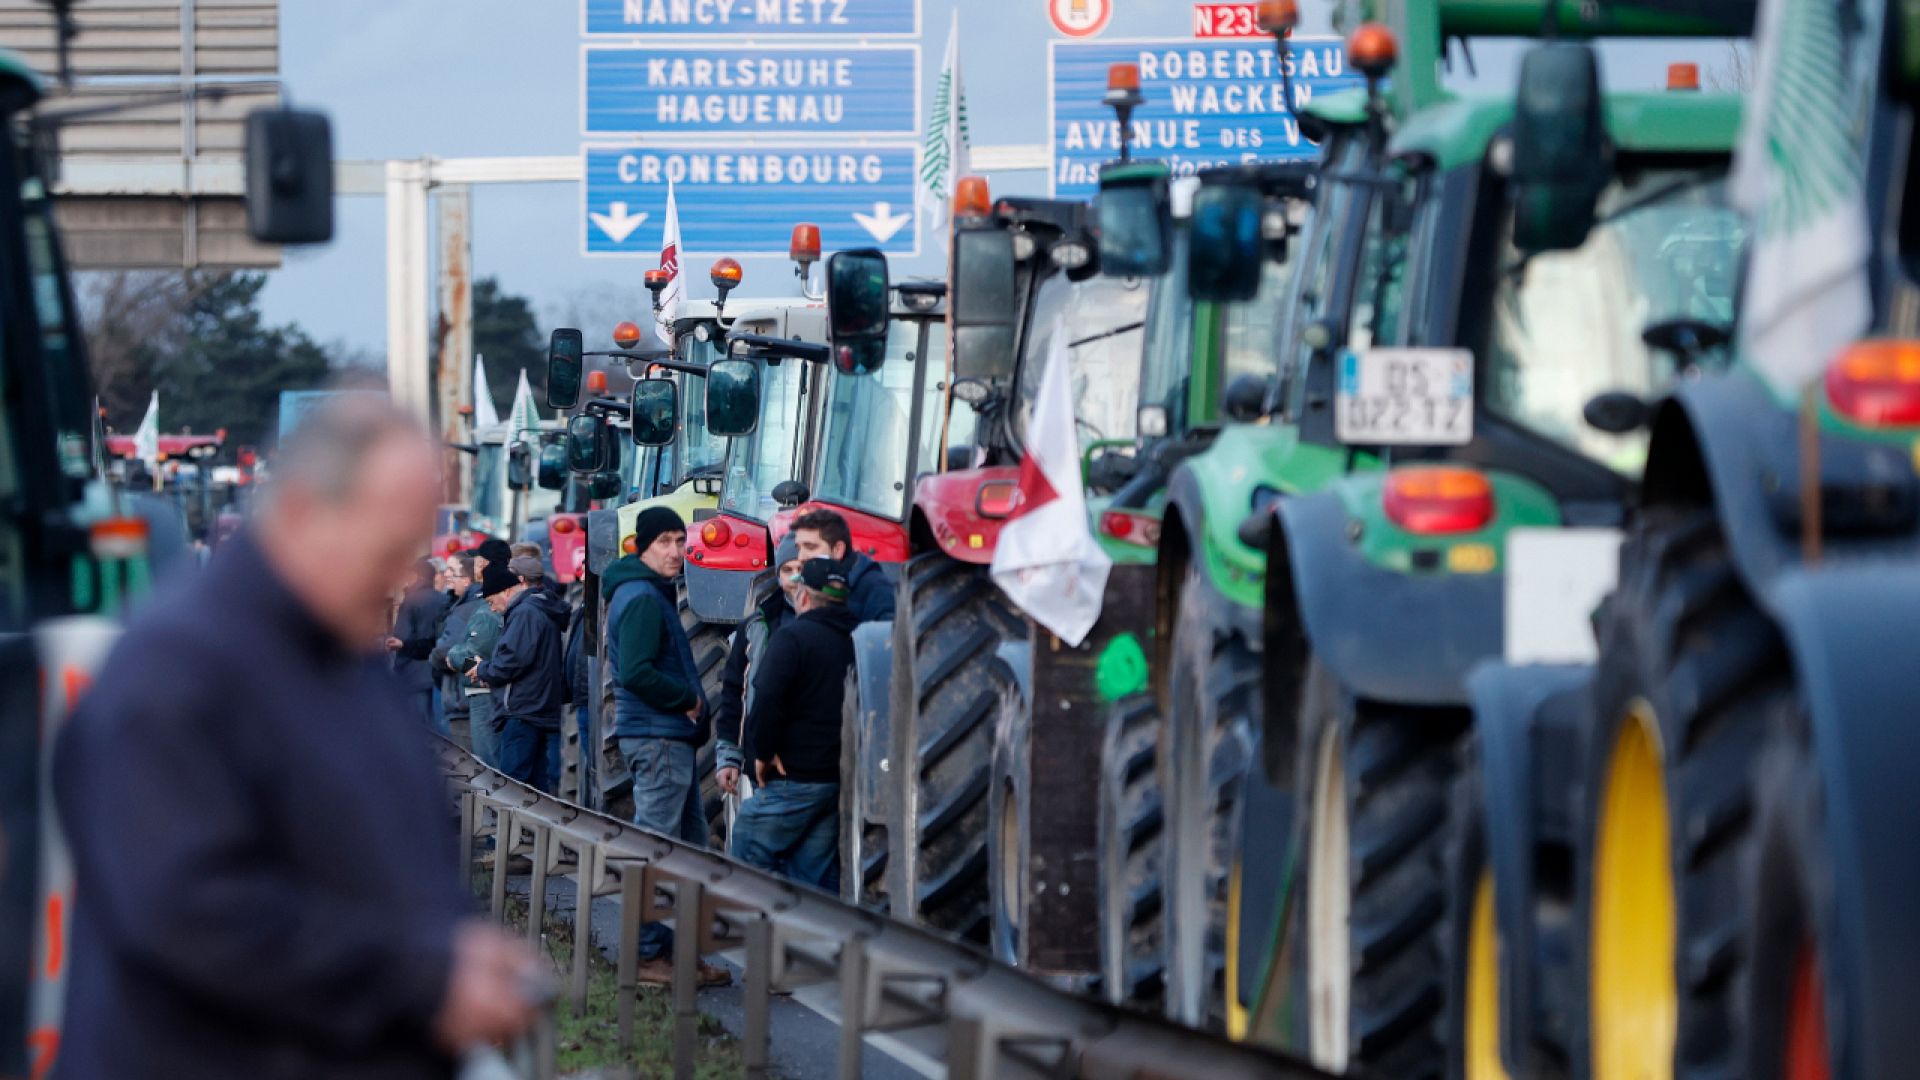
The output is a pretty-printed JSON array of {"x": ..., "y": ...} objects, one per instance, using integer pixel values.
[{"x": 659, "y": 972}]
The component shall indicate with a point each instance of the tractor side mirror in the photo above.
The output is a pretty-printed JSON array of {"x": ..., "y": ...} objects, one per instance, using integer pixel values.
[
  {"x": 980, "y": 301},
  {"x": 565, "y": 363},
  {"x": 604, "y": 485},
  {"x": 1135, "y": 218},
  {"x": 553, "y": 467},
  {"x": 586, "y": 444},
  {"x": 1225, "y": 252},
  {"x": 733, "y": 397},
  {"x": 857, "y": 309},
  {"x": 289, "y": 176},
  {"x": 1561, "y": 155},
  {"x": 656, "y": 407},
  {"x": 519, "y": 467}
]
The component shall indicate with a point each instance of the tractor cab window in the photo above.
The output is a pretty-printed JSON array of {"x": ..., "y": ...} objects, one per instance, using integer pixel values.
[
  {"x": 863, "y": 458},
  {"x": 1566, "y": 326},
  {"x": 960, "y": 423},
  {"x": 1166, "y": 358},
  {"x": 489, "y": 487},
  {"x": 701, "y": 449},
  {"x": 758, "y": 462},
  {"x": 1319, "y": 262},
  {"x": 1380, "y": 291},
  {"x": 1102, "y": 319},
  {"x": 1249, "y": 330}
]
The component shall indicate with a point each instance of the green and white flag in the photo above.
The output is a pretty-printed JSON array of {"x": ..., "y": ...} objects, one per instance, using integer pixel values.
[
  {"x": 944, "y": 157},
  {"x": 1799, "y": 177},
  {"x": 523, "y": 422},
  {"x": 146, "y": 439}
]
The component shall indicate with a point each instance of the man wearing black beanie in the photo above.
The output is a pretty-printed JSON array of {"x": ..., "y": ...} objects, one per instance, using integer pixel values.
[
  {"x": 659, "y": 712},
  {"x": 492, "y": 551}
]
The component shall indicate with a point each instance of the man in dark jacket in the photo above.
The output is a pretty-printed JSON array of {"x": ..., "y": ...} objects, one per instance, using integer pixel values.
[
  {"x": 265, "y": 879},
  {"x": 492, "y": 551},
  {"x": 415, "y": 629},
  {"x": 749, "y": 641},
  {"x": 527, "y": 673},
  {"x": 823, "y": 534},
  {"x": 453, "y": 630},
  {"x": 659, "y": 710},
  {"x": 793, "y": 736}
]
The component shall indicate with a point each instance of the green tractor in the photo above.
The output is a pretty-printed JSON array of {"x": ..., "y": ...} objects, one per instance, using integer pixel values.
[
  {"x": 1691, "y": 854},
  {"x": 1508, "y": 277}
]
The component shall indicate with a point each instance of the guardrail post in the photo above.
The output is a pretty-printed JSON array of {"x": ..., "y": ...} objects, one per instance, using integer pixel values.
[
  {"x": 686, "y": 975},
  {"x": 466, "y": 841},
  {"x": 502, "y": 855},
  {"x": 853, "y": 1005},
  {"x": 630, "y": 875},
  {"x": 537, "y": 888},
  {"x": 759, "y": 997},
  {"x": 586, "y": 872}
]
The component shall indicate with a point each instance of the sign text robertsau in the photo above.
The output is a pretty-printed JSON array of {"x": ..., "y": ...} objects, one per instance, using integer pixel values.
[
  {"x": 1208, "y": 103},
  {"x": 772, "y": 90},
  {"x": 739, "y": 201},
  {"x": 761, "y": 18}
]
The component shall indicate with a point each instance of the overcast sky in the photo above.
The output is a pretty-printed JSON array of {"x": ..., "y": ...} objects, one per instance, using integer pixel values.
[{"x": 454, "y": 78}]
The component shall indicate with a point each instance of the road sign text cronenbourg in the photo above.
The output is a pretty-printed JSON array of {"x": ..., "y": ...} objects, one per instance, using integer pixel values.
[
  {"x": 745, "y": 201},
  {"x": 1209, "y": 103}
]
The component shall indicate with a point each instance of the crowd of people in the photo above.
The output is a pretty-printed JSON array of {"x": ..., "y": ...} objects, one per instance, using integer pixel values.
[{"x": 265, "y": 872}]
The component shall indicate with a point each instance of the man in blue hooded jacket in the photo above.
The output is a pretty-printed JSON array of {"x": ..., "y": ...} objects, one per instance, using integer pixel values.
[
  {"x": 660, "y": 714},
  {"x": 823, "y": 534},
  {"x": 526, "y": 673}
]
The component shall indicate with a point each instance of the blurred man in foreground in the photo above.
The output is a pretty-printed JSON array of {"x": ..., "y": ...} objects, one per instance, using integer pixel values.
[{"x": 266, "y": 879}]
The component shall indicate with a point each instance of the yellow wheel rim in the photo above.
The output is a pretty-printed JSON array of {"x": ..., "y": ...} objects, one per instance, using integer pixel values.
[
  {"x": 1633, "y": 1005},
  {"x": 1481, "y": 1053},
  {"x": 1236, "y": 1012}
]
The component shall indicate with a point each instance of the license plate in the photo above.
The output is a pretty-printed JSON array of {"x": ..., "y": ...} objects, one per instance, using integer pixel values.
[{"x": 1402, "y": 397}]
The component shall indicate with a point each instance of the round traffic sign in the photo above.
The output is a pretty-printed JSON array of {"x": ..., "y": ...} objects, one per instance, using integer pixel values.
[{"x": 1080, "y": 18}]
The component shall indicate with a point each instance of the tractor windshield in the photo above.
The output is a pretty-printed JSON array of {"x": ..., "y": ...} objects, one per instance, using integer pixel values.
[
  {"x": 756, "y": 463},
  {"x": 863, "y": 455},
  {"x": 1566, "y": 326},
  {"x": 1166, "y": 357},
  {"x": 1103, "y": 319}
]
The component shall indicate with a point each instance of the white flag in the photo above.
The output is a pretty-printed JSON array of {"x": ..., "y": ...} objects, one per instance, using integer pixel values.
[
  {"x": 484, "y": 414},
  {"x": 1047, "y": 560},
  {"x": 676, "y": 289},
  {"x": 1798, "y": 176},
  {"x": 944, "y": 157},
  {"x": 525, "y": 417},
  {"x": 146, "y": 441}
]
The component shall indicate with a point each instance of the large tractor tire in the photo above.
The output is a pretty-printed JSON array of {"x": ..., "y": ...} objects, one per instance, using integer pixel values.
[
  {"x": 1689, "y": 673},
  {"x": 1786, "y": 994},
  {"x": 1376, "y": 784},
  {"x": 1470, "y": 938},
  {"x": 863, "y": 831},
  {"x": 1009, "y": 854},
  {"x": 709, "y": 642},
  {"x": 946, "y": 688},
  {"x": 1132, "y": 963},
  {"x": 1213, "y": 693}
]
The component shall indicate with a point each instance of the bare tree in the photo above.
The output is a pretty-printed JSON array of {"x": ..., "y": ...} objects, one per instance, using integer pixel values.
[
  {"x": 596, "y": 309},
  {"x": 1734, "y": 73},
  {"x": 130, "y": 316}
]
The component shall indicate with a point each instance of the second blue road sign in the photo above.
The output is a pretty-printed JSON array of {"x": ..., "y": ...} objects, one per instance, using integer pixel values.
[{"x": 760, "y": 90}]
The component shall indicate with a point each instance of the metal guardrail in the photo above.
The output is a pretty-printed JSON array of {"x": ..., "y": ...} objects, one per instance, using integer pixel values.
[{"x": 891, "y": 976}]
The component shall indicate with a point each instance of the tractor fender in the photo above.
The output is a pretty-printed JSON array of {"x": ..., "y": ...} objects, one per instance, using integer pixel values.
[
  {"x": 1850, "y": 629},
  {"x": 1017, "y": 654},
  {"x": 873, "y": 672},
  {"x": 1392, "y": 637},
  {"x": 1232, "y": 574},
  {"x": 1727, "y": 441},
  {"x": 1524, "y": 742}
]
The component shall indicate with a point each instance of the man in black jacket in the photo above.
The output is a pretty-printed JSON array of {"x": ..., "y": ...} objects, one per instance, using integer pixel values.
[
  {"x": 749, "y": 642},
  {"x": 527, "y": 673},
  {"x": 793, "y": 736},
  {"x": 415, "y": 629},
  {"x": 265, "y": 877}
]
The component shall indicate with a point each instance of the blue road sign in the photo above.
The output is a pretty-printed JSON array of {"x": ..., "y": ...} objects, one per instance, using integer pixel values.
[
  {"x": 1208, "y": 103},
  {"x": 746, "y": 200},
  {"x": 673, "y": 92},
  {"x": 760, "y": 18}
]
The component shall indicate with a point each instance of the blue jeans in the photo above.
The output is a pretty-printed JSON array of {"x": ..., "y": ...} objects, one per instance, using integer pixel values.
[
  {"x": 666, "y": 800},
  {"x": 486, "y": 741},
  {"x": 531, "y": 754},
  {"x": 793, "y": 828}
]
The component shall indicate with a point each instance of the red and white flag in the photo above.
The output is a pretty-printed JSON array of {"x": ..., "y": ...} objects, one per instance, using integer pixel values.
[
  {"x": 676, "y": 289},
  {"x": 1047, "y": 560}
]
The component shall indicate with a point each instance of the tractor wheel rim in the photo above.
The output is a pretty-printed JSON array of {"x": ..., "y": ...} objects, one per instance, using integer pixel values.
[
  {"x": 1481, "y": 1030},
  {"x": 1633, "y": 1002},
  {"x": 1237, "y": 1018},
  {"x": 1011, "y": 889},
  {"x": 1806, "y": 1052},
  {"x": 1329, "y": 912}
]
